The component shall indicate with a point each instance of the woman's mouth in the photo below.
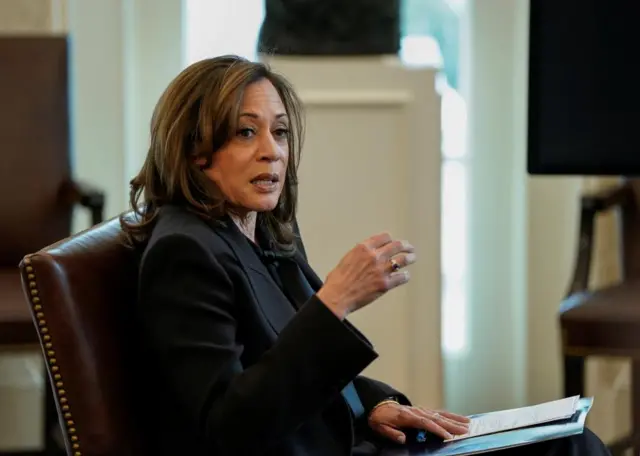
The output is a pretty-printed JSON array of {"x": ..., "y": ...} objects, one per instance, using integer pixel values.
[{"x": 266, "y": 182}]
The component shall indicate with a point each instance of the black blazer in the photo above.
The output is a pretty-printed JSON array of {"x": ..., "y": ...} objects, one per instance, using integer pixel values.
[{"x": 230, "y": 367}]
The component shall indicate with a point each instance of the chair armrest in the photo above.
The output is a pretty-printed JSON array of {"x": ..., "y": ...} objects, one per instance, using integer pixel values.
[
  {"x": 590, "y": 206},
  {"x": 608, "y": 198},
  {"x": 89, "y": 197}
]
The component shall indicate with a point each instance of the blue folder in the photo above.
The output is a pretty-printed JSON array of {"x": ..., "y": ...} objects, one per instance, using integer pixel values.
[{"x": 499, "y": 441}]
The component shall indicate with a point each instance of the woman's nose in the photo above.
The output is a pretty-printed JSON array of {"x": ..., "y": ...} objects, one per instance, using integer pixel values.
[{"x": 270, "y": 149}]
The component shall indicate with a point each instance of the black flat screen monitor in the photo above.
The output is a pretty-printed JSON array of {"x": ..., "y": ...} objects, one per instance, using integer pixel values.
[{"x": 584, "y": 87}]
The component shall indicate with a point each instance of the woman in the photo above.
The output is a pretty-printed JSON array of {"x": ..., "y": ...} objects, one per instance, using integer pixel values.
[{"x": 248, "y": 349}]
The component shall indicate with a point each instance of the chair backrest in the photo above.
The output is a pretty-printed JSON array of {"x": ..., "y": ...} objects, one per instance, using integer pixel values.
[
  {"x": 630, "y": 241},
  {"x": 34, "y": 144},
  {"x": 81, "y": 290}
]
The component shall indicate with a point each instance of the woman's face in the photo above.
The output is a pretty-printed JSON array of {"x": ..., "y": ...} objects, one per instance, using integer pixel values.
[{"x": 250, "y": 169}]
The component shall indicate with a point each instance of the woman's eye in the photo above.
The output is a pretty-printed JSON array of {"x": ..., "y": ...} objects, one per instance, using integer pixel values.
[
  {"x": 245, "y": 132},
  {"x": 282, "y": 132}
]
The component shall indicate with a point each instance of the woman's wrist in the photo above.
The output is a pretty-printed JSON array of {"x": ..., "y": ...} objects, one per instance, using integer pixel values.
[
  {"x": 333, "y": 302},
  {"x": 387, "y": 401}
]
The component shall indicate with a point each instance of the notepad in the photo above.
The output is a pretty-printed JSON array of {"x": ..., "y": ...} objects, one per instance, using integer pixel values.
[
  {"x": 495, "y": 431},
  {"x": 506, "y": 420}
]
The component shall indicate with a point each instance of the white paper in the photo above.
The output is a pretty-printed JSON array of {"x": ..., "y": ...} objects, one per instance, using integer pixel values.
[{"x": 505, "y": 420}]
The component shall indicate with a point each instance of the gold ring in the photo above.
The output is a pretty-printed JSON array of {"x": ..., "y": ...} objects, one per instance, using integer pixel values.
[{"x": 394, "y": 265}]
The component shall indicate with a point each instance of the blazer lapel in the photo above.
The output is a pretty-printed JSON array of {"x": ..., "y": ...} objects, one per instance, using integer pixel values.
[
  {"x": 273, "y": 304},
  {"x": 311, "y": 276}
]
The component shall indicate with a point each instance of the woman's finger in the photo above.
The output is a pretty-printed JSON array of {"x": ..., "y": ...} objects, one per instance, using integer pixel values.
[
  {"x": 449, "y": 425},
  {"x": 390, "y": 433},
  {"x": 410, "y": 417},
  {"x": 436, "y": 428},
  {"x": 398, "y": 278},
  {"x": 455, "y": 416},
  {"x": 403, "y": 260},
  {"x": 378, "y": 240},
  {"x": 393, "y": 248}
]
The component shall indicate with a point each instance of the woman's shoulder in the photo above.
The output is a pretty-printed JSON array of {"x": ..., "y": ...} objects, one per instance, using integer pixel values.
[{"x": 177, "y": 226}]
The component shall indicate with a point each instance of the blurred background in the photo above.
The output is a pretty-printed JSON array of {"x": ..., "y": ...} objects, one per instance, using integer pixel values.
[{"x": 429, "y": 142}]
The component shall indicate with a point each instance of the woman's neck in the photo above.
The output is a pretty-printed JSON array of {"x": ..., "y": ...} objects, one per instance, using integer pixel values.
[{"x": 247, "y": 224}]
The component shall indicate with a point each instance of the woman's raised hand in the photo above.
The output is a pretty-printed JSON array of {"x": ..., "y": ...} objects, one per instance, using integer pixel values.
[{"x": 366, "y": 272}]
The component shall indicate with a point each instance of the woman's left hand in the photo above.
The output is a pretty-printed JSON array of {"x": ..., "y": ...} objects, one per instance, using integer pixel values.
[{"x": 390, "y": 418}]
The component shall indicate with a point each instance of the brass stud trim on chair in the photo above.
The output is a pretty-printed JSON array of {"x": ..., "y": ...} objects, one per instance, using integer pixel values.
[{"x": 68, "y": 423}]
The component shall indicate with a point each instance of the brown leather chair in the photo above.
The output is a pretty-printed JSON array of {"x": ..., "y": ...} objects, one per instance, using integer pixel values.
[
  {"x": 37, "y": 193},
  {"x": 606, "y": 322},
  {"x": 81, "y": 290}
]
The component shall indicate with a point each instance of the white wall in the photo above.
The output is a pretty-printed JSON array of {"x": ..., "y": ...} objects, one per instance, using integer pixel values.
[
  {"x": 496, "y": 357},
  {"x": 124, "y": 54},
  {"x": 153, "y": 56},
  {"x": 25, "y": 16},
  {"x": 98, "y": 105}
]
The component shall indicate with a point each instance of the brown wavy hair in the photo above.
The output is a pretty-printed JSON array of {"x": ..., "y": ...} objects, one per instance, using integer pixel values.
[{"x": 195, "y": 116}]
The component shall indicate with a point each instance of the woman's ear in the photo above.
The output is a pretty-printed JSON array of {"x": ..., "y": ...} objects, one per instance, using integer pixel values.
[
  {"x": 199, "y": 156},
  {"x": 200, "y": 161}
]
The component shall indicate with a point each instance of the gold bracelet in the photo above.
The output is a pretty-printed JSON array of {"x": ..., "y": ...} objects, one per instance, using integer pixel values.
[{"x": 381, "y": 403}]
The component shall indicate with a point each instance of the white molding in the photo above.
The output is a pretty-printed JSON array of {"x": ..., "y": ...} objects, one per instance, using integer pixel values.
[
  {"x": 359, "y": 98},
  {"x": 140, "y": 51}
]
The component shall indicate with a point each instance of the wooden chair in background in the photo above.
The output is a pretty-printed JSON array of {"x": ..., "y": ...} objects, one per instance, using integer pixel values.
[
  {"x": 606, "y": 322},
  {"x": 37, "y": 193}
]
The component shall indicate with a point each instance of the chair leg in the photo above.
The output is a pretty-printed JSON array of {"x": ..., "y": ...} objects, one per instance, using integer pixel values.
[
  {"x": 574, "y": 376},
  {"x": 632, "y": 441},
  {"x": 635, "y": 404}
]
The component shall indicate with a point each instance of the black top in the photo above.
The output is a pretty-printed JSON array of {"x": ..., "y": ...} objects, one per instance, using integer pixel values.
[
  {"x": 230, "y": 366},
  {"x": 286, "y": 273}
]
